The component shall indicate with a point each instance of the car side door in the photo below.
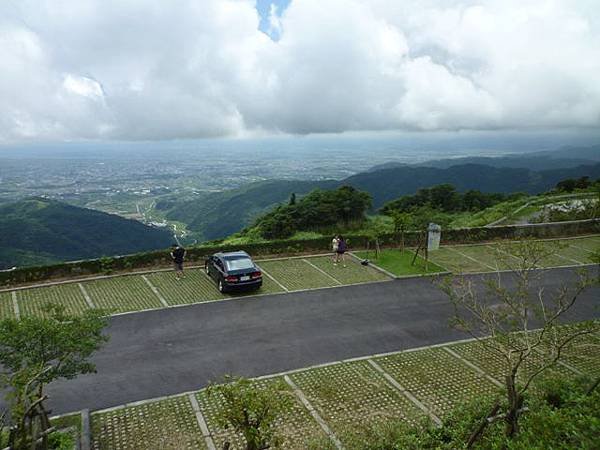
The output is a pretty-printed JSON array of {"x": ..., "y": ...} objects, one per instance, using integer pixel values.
[
  {"x": 212, "y": 267},
  {"x": 219, "y": 269}
]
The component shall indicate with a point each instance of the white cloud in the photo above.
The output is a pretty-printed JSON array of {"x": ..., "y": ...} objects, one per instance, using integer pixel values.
[{"x": 139, "y": 69}]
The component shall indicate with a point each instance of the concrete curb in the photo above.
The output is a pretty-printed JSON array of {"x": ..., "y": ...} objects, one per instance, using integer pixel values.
[{"x": 86, "y": 431}]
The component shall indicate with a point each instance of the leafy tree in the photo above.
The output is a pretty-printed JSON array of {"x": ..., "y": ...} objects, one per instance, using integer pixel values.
[
  {"x": 402, "y": 221},
  {"x": 507, "y": 313},
  {"x": 251, "y": 410},
  {"x": 319, "y": 210},
  {"x": 36, "y": 351},
  {"x": 444, "y": 198}
]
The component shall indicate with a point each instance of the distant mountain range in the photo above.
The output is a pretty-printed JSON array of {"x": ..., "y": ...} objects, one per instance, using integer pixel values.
[
  {"x": 544, "y": 160},
  {"x": 219, "y": 214},
  {"x": 39, "y": 231}
]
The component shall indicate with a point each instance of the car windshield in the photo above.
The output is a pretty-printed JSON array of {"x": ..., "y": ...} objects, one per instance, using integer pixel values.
[{"x": 239, "y": 264}]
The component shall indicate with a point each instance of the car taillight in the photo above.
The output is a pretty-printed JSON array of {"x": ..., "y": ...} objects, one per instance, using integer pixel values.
[
  {"x": 231, "y": 279},
  {"x": 256, "y": 275}
]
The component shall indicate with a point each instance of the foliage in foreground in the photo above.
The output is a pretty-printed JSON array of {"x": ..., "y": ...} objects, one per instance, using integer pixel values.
[
  {"x": 36, "y": 351},
  {"x": 561, "y": 415},
  {"x": 252, "y": 411}
]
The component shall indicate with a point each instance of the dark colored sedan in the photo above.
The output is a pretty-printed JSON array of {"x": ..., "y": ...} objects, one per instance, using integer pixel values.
[{"x": 233, "y": 271}]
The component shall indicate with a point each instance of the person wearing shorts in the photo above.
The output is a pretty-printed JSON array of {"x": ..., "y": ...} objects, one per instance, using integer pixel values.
[{"x": 178, "y": 254}]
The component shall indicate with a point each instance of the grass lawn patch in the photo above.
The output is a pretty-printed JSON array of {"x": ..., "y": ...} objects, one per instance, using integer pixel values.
[
  {"x": 6, "y": 306},
  {"x": 296, "y": 274},
  {"x": 439, "y": 380},
  {"x": 122, "y": 294},
  {"x": 165, "y": 424},
  {"x": 400, "y": 262},
  {"x": 353, "y": 395},
  {"x": 354, "y": 272},
  {"x": 295, "y": 427},
  {"x": 32, "y": 301}
]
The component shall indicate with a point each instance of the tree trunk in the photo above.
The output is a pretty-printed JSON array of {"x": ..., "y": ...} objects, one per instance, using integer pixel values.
[
  {"x": 377, "y": 249},
  {"x": 515, "y": 402},
  {"x": 483, "y": 425}
]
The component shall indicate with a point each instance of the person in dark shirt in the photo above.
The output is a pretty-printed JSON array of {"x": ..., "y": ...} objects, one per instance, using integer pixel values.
[{"x": 178, "y": 254}]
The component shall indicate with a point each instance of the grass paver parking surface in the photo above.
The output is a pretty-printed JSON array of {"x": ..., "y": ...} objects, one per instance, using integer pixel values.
[
  {"x": 33, "y": 301},
  {"x": 6, "y": 306},
  {"x": 196, "y": 287},
  {"x": 400, "y": 263},
  {"x": 352, "y": 395},
  {"x": 493, "y": 364},
  {"x": 295, "y": 426},
  {"x": 166, "y": 424},
  {"x": 454, "y": 261},
  {"x": 489, "y": 257},
  {"x": 296, "y": 274},
  {"x": 128, "y": 293},
  {"x": 583, "y": 353},
  {"x": 439, "y": 380},
  {"x": 354, "y": 272},
  {"x": 587, "y": 244},
  {"x": 122, "y": 294},
  {"x": 576, "y": 254},
  {"x": 551, "y": 258}
]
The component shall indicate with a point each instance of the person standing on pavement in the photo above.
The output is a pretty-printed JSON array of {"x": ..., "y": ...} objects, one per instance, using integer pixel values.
[
  {"x": 334, "y": 247},
  {"x": 341, "y": 250},
  {"x": 178, "y": 255}
]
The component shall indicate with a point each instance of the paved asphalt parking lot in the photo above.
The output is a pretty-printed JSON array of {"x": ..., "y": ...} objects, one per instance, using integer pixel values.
[{"x": 168, "y": 351}]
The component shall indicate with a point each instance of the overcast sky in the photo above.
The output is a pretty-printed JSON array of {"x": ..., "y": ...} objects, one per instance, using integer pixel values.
[{"x": 169, "y": 69}]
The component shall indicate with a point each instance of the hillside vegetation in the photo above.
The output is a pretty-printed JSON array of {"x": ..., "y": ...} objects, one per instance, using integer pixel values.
[
  {"x": 216, "y": 215},
  {"x": 39, "y": 231},
  {"x": 320, "y": 210},
  {"x": 323, "y": 213}
]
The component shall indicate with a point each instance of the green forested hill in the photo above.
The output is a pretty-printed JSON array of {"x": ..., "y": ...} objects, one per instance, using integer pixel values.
[
  {"x": 388, "y": 184},
  {"x": 220, "y": 214},
  {"x": 38, "y": 231}
]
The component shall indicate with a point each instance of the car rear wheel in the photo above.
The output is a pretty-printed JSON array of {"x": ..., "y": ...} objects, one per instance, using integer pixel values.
[
  {"x": 206, "y": 269},
  {"x": 221, "y": 286}
]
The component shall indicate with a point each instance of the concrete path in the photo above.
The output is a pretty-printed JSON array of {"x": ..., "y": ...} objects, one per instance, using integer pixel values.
[{"x": 168, "y": 351}]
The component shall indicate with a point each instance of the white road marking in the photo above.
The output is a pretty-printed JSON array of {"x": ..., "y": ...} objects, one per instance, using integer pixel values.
[
  {"x": 86, "y": 296},
  {"x": 313, "y": 412},
  {"x": 160, "y": 297},
  {"x": 472, "y": 259},
  {"x": 274, "y": 280},
  {"x": 322, "y": 271},
  {"x": 405, "y": 392},
  {"x": 16, "y": 305},
  {"x": 201, "y": 422},
  {"x": 568, "y": 259},
  {"x": 473, "y": 366}
]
